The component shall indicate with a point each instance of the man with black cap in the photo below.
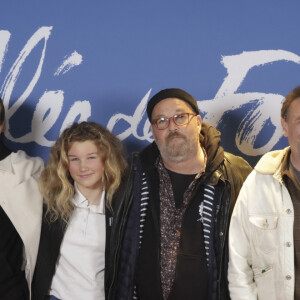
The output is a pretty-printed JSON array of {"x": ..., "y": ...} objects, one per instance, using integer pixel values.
[{"x": 169, "y": 236}]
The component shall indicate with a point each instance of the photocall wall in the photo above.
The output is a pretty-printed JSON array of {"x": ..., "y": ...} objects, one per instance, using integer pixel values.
[{"x": 67, "y": 61}]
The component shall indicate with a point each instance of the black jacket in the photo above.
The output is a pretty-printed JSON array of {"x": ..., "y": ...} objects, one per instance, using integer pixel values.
[
  {"x": 51, "y": 238},
  {"x": 223, "y": 169},
  {"x": 4, "y": 151}
]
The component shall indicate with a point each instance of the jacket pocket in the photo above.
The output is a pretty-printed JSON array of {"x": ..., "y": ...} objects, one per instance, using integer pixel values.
[
  {"x": 264, "y": 232},
  {"x": 259, "y": 272},
  {"x": 264, "y": 279}
]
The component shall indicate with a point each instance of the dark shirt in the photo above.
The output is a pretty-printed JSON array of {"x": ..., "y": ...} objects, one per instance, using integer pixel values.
[
  {"x": 180, "y": 183},
  {"x": 191, "y": 278},
  {"x": 290, "y": 177}
]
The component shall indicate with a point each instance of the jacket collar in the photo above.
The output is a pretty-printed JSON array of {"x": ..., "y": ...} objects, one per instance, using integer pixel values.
[
  {"x": 270, "y": 163},
  {"x": 80, "y": 200}
]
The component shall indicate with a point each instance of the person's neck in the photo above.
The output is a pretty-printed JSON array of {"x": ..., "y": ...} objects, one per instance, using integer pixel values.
[
  {"x": 189, "y": 165},
  {"x": 295, "y": 160},
  {"x": 93, "y": 196}
]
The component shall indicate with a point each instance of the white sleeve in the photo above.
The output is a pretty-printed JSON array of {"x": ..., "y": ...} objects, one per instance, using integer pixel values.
[{"x": 240, "y": 274}]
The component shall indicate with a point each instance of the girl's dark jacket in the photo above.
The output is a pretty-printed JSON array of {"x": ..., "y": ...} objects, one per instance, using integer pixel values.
[{"x": 225, "y": 169}]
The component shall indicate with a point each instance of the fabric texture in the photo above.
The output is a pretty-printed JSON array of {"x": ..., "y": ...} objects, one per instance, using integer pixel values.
[
  {"x": 21, "y": 201},
  {"x": 80, "y": 268},
  {"x": 289, "y": 175},
  {"x": 261, "y": 241},
  {"x": 11, "y": 259},
  {"x": 170, "y": 230},
  {"x": 4, "y": 151}
]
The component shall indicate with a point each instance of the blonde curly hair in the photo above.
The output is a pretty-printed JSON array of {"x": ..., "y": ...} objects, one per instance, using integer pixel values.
[{"x": 56, "y": 184}]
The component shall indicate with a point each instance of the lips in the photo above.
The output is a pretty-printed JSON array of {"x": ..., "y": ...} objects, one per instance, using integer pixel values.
[{"x": 85, "y": 175}]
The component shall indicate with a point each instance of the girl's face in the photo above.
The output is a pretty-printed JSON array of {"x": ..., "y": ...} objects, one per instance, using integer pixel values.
[{"x": 86, "y": 166}]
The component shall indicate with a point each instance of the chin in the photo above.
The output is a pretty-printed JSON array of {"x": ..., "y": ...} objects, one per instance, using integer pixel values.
[{"x": 174, "y": 155}]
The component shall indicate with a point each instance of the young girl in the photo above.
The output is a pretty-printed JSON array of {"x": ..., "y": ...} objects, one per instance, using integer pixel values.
[{"x": 79, "y": 186}]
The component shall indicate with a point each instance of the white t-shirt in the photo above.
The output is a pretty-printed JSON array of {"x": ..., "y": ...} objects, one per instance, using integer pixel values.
[{"x": 80, "y": 267}]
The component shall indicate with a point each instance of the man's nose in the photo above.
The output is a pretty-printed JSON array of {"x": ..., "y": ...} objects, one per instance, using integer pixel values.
[{"x": 172, "y": 125}]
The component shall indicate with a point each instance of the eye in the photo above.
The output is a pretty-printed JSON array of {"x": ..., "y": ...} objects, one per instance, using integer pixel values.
[
  {"x": 162, "y": 120},
  {"x": 73, "y": 159},
  {"x": 92, "y": 157},
  {"x": 181, "y": 119}
]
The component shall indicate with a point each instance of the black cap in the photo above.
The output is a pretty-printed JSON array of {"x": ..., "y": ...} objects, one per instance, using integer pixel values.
[{"x": 172, "y": 93}]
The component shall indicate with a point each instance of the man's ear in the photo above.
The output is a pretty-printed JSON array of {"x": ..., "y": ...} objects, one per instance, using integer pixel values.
[
  {"x": 284, "y": 126},
  {"x": 199, "y": 122},
  {"x": 1, "y": 127}
]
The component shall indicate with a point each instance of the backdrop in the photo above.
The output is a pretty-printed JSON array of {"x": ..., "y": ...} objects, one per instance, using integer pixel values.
[{"x": 66, "y": 61}]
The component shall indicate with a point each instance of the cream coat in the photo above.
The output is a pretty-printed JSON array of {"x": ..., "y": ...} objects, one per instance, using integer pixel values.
[
  {"x": 22, "y": 202},
  {"x": 261, "y": 264}
]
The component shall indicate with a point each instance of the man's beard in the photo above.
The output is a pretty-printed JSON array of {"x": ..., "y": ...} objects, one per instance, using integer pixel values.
[{"x": 182, "y": 148}]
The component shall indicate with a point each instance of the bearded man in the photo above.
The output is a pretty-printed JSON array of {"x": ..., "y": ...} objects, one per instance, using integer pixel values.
[{"x": 169, "y": 236}]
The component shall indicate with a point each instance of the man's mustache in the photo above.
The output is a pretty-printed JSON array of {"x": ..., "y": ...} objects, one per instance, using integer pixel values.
[{"x": 174, "y": 134}]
